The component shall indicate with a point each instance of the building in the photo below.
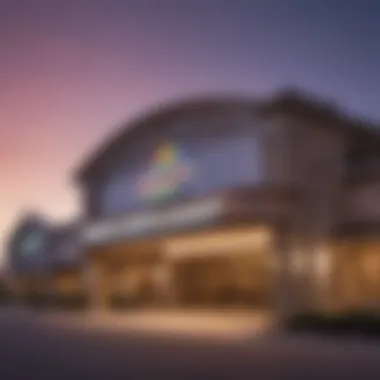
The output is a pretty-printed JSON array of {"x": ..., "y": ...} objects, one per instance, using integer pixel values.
[
  {"x": 27, "y": 249},
  {"x": 230, "y": 202},
  {"x": 64, "y": 264},
  {"x": 45, "y": 261}
]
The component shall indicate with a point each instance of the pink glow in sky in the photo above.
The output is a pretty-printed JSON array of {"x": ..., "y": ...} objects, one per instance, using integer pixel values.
[
  {"x": 59, "y": 102},
  {"x": 56, "y": 111}
]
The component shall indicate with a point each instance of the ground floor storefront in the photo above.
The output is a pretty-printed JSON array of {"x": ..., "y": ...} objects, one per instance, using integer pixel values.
[
  {"x": 61, "y": 288},
  {"x": 355, "y": 274},
  {"x": 224, "y": 268},
  {"x": 239, "y": 268},
  {"x": 239, "y": 251},
  {"x": 224, "y": 251},
  {"x": 67, "y": 288}
]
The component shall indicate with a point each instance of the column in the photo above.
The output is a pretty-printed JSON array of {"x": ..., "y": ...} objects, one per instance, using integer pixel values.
[
  {"x": 96, "y": 284},
  {"x": 312, "y": 278},
  {"x": 284, "y": 295},
  {"x": 322, "y": 276},
  {"x": 164, "y": 280}
]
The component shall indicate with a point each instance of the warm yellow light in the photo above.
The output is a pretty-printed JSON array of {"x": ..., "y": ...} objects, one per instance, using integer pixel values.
[
  {"x": 233, "y": 242},
  {"x": 323, "y": 262}
]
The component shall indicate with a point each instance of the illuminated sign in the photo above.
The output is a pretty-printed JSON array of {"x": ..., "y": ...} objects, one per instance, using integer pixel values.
[{"x": 169, "y": 170}]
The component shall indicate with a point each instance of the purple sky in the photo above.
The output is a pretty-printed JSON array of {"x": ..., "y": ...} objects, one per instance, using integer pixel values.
[{"x": 70, "y": 70}]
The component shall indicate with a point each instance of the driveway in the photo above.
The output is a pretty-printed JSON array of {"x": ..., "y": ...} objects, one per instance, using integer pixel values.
[
  {"x": 62, "y": 346},
  {"x": 236, "y": 325}
]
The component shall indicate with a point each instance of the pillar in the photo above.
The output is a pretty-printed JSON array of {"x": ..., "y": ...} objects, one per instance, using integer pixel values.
[
  {"x": 322, "y": 272},
  {"x": 284, "y": 294},
  {"x": 96, "y": 284},
  {"x": 164, "y": 279}
]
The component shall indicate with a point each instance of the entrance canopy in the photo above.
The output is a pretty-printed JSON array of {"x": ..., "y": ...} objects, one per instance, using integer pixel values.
[{"x": 270, "y": 205}]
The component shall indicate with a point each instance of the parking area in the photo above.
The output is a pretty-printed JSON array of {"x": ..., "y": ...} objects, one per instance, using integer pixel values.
[
  {"x": 60, "y": 346},
  {"x": 231, "y": 325}
]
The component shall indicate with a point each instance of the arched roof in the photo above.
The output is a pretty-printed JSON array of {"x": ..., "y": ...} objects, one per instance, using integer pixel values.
[
  {"x": 201, "y": 104},
  {"x": 288, "y": 102}
]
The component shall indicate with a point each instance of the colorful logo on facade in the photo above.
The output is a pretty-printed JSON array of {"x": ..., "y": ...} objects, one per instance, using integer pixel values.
[{"x": 169, "y": 170}]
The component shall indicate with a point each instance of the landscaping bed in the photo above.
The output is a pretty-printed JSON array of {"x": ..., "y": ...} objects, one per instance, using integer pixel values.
[
  {"x": 54, "y": 301},
  {"x": 351, "y": 323}
]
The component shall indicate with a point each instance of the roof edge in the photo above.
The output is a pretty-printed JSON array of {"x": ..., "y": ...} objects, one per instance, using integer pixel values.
[{"x": 289, "y": 101}]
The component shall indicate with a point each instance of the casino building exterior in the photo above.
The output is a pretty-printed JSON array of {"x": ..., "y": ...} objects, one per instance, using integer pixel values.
[{"x": 230, "y": 202}]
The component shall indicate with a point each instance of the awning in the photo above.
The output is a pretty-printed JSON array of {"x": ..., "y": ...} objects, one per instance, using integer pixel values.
[{"x": 230, "y": 207}]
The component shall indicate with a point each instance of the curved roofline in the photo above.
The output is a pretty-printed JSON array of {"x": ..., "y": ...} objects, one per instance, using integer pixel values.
[
  {"x": 156, "y": 113},
  {"x": 289, "y": 101}
]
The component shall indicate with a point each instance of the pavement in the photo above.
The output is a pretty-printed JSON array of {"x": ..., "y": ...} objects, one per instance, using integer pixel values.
[
  {"x": 214, "y": 326},
  {"x": 82, "y": 346}
]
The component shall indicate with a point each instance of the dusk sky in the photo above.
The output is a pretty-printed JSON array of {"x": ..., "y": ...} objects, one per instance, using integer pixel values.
[{"x": 72, "y": 70}]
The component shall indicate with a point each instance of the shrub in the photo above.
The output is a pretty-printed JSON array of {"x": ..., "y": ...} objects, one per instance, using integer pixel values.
[
  {"x": 307, "y": 322},
  {"x": 359, "y": 322},
  {"x": 354, "y": 322}
]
